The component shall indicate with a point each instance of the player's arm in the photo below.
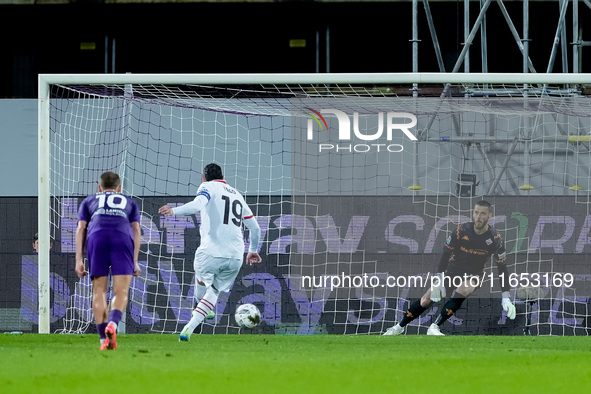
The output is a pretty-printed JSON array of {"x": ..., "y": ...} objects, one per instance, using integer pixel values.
[
  {"x": 189, "y": 208},
  {"x": 501, "y": 260},
  {"x": 137, "y": 240},
  {"x": 444, "y": 259},
  {"x": 438, "y": 286},
  {"x": 254, "y": 235},
  {"x": 437, "y": 283},
  {"x": 80, "y": 242},
  {"x": 448, "y": 248}
]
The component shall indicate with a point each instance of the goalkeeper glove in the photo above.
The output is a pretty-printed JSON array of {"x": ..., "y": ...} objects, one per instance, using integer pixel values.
[
  {"x": 437, "y": 289},
  {"x": 508, "y": 305}
]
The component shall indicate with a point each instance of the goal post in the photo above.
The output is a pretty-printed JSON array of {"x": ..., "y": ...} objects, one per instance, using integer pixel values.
[
  {"x": 354, "y": 175},
  {"x": 43, "y": 190}
]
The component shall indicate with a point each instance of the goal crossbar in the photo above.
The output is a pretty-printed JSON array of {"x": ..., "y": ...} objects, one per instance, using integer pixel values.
[{"x": 311, "y": 78}]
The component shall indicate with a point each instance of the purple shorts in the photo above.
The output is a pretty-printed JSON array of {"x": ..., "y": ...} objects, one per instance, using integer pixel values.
[{"x": 109, "y": 249}]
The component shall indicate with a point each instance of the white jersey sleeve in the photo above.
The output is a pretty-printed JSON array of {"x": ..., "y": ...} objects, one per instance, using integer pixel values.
[
  {"x": 254, "y": 233},
  {"x": 192, "y": 207}
]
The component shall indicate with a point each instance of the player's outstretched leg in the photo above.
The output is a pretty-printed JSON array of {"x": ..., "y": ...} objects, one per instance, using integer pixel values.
[
  {"x": 200, "y": 290},
  {"x": 415, "y": 310},
  {"x": 204, "y": 307},
  {"x": 210, "y": 315},
  {"x": 447, "y": 311}
]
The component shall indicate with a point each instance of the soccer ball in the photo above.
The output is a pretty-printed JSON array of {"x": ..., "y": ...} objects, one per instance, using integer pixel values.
[{"x": 247, "y": 316}]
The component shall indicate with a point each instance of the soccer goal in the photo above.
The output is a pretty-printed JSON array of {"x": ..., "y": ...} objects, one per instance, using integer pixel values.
[{"x": 355, "y": 179}]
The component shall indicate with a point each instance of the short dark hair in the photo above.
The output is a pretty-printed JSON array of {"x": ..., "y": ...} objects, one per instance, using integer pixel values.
[
  {"x": 212, "y": 171},
  {"x": 110, "y": 180},
  {"x": 484, "y": 203},
  {"x": 35, "y": 237}
]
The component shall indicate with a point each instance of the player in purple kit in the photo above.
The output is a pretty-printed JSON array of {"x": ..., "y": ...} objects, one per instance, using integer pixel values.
[{"x": 109, "y": 226}]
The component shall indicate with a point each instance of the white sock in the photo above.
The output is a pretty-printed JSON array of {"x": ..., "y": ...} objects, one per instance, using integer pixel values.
[
  {"x": 199, "y": 292},
  {"x": 205, "y": 306}
]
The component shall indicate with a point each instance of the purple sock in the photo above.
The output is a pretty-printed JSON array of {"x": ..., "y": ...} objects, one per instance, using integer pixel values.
[
  {"x": 115, "y": 316},
  {"x": 101, "y": 330}
]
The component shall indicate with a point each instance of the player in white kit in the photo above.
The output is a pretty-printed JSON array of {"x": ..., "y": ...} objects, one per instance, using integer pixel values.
[{"x": 219, "y": 256}]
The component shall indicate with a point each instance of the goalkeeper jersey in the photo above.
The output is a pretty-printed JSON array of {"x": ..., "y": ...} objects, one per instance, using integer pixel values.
[
  {"x": 223, "y": 210},
  {"x": 471, "y": 251}
]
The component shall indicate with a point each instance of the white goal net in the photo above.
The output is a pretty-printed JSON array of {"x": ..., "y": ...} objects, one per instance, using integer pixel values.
[{"x": 356, "y": 182}]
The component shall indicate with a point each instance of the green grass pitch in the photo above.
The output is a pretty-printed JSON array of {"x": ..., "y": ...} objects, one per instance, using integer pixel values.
[{"x": 154, "y": 363}]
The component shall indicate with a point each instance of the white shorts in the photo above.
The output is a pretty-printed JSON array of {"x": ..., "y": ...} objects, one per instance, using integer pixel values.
[{"x": 220, "y": 272}]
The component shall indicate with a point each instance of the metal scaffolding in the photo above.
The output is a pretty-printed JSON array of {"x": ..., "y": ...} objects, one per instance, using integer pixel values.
[
  {"x": 560, "y": 43},
  {"x": 470, "y": 30}
]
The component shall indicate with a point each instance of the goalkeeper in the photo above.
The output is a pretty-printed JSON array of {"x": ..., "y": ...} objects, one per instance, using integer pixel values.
[{"x": 465, "y": 253}]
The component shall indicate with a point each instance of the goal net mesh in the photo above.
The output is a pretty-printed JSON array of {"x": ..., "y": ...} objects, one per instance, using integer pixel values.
[{"x": 355, "y": 188}]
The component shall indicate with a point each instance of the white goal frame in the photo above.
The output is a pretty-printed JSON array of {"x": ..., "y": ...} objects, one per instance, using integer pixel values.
[{"x": 45, "y": 80}]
